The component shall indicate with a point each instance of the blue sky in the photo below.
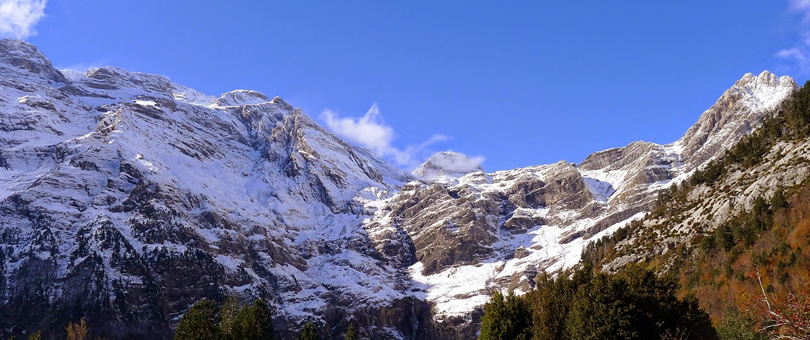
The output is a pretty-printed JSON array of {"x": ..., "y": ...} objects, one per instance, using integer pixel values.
[{"x": 518, "y": 84}]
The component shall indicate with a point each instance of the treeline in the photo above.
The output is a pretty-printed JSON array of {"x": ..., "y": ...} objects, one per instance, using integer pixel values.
[
  {"x": 588, "y": 304},
  {"x": 75, "y": 331},
  {"x": 208, "y": 320}
]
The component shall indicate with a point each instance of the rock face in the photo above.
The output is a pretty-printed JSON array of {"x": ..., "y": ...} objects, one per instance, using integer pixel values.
[{"x": 125, "y": 198}]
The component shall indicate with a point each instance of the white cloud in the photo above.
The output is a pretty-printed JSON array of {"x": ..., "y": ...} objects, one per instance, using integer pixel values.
[
  {"x": 371, "y": 132},
  {"x": 18, "y": 17},
  {"x": 802, "y": 6},
  {"x": 458, "y": 162},
  {"x": 800, "y": 53}
]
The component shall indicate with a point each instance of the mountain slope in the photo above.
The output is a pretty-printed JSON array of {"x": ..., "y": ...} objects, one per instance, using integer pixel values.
[{"x": 498, "y": 230}]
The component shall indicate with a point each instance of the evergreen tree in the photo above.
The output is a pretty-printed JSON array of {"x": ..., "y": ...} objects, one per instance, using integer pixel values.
[
  {"x": 778, "y": 200},
  {"x": 309, "y": 332},
  {"x": 550, "y": 302},
  {"x": 199, "y": 323},
  {"x": 723, "y": 237},
  {"x": 350, "y": 332},
  {"x": 76, "y": 331},
  {"x": 507, "y": 317},
  {"x": 253, "y": 323},
  {"x": 227, "y": 316}
]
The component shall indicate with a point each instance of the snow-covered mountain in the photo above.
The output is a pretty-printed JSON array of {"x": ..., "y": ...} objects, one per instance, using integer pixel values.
[{"x": 125, "y": 198}]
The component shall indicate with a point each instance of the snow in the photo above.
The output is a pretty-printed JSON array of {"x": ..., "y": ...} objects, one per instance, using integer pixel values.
[
  {"x": 459, "y": 290},
  {"x": 601, "y": 191},
  {"x": 144, "y": 102}
]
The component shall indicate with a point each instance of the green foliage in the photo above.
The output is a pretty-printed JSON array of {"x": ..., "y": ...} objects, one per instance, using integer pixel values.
[
  {"x": 227, "y": 316},
  {"x": 778, "y": 200},
  {"x": 723, "y": 237},
  {"x": 36, "y": 336},
  {"x": 199, "y": 323},
  {"x": 634, "y": 304},
  {"x": 350, "y": 335},
  {"x": 206, "y": 320},
  {"x": 253, "y": 323},
  {"x": 550, "y": 302},
  {"x": 506, "y": 317},
  {"x": 737, "y": 326},
  {"x": 309, "y": 332}
]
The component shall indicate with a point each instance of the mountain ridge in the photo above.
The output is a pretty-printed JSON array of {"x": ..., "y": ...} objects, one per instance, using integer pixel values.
[{"x": 123, "y": 189}]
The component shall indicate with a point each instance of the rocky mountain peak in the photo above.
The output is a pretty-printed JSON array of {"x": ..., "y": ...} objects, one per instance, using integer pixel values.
[
  {"x": 116, "y": 78},
  {"x": 242, "y": 97},
  {"x": 18, "y": 54},
  {"x": 766, "y": 78},
  {"x": 448, "y": 165},
  {"x": 736, "y": 113}
]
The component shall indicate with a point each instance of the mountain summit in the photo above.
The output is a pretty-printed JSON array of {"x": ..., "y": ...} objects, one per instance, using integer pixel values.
[
  {"x": 448, "y": 165},
  {"x": 125, "y": 198}
]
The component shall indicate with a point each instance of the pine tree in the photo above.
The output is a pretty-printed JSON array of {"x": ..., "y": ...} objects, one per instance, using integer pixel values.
[
  {"x": 76, "y": 331},
  {"x": 309, "y": 332},
  {"x": 550, "y": 301},
  {"x": 227, "y": 316},
  {"x": 199, "y": 323},
  {"x": 507, "y": 317},
  {"x": 778, "y": 200},
  {"x": 350, "y": 332},
  {"x": 253, "y": 323}
]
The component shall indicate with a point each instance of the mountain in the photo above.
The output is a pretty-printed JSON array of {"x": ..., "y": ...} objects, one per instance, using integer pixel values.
[
  {"x": 735, "y": 234},
  {"x": 498, "y": 230},
  {"x": 125, "y": 198}
]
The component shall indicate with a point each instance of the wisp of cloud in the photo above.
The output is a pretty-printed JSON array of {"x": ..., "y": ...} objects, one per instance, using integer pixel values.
[
  {"x": 371, "y": 132},
  {"x": 801, "y": 52},
  {"x": 18, "y": 17}
]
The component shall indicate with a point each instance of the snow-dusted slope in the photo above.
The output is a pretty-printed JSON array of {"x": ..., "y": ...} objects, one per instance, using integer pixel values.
[{"x": 125, "y": 198}]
